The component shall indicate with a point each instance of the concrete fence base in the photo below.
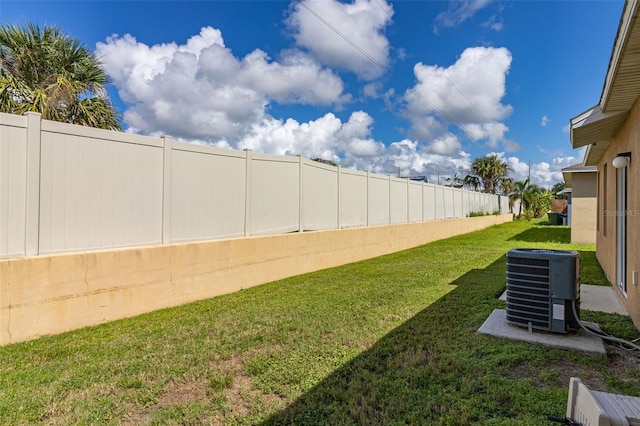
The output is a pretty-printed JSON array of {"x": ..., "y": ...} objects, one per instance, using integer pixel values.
[{"x": 56, "y": 293}]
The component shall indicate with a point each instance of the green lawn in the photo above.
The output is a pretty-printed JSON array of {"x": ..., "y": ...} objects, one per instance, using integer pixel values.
[{"x": 391, "y": 340}]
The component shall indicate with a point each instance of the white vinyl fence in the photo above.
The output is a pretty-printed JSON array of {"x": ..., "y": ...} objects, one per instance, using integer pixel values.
[{"x": 66, "y": 188}]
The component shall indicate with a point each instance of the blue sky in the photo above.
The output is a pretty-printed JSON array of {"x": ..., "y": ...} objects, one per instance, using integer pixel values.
[{"x": 415, "y": 87}]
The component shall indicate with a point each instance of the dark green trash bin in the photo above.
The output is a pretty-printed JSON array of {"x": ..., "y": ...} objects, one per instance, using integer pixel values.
[{"x": 554, "y": 218}]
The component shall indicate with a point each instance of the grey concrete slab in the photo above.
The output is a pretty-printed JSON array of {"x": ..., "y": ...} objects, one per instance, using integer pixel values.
[
  {"x": 596, "y": 298},
  {"x": 601, "y": 299},
  {"x": 497, "y": 325}
]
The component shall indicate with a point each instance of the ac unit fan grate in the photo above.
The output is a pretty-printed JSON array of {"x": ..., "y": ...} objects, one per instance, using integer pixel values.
[
  {"x": 528, "y": 292},
  {"x": 542, "y": 286}
]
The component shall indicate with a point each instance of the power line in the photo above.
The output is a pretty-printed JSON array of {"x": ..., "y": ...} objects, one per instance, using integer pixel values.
[
  {"x": 424, "y": 52},
  {"x": 386, "y": 69}
]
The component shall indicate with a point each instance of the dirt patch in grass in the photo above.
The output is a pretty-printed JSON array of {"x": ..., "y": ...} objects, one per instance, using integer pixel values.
[
  {"x": 241, "y": 395},
  {"x": 177, "y": 394},
  {"x": 621, "y": 368},
  {"x": 558, "y": 374},
  {"x": 182, "y": 393}
]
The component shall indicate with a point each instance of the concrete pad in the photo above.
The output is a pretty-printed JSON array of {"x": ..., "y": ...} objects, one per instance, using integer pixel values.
[
  {"x": 599, "y": 298},
  {"x": 497, "y": 325}
]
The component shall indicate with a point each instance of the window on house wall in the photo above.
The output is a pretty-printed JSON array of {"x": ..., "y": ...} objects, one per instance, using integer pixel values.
[{"x": 604, "y": 200}]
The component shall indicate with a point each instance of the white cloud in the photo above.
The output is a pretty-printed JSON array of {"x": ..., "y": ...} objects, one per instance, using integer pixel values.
[
  {"x": 495, "y": 26},
  {"x": 492, "y": 131},
  {"x": 458, "y": 12},
  {"x": 350, "y": 144},
  {"x": 543, "y": 173},
  {"x": 409, "y": 158},
  {"x": 545, "y": 120},
  {"x": 327, "y": 137},
  {"x": 445, "y": 145},
  {"x": 316, "y": 24},
  {"x": 495, "y": 22},
  {"x": 467, "y": 94},
  {"x": 200, "y": 90},
  {"x": 510, "y": 146},
  {"x": 372, "y": 90},
  {"x": 469, "y": 91}
]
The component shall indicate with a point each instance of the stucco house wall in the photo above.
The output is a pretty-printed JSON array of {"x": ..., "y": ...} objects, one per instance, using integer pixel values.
[
  {"x": 582, "y": 185},
  {"x": 584, "y": 208},
  {"x": 626, "y": 140},
  {"x": 608, "y": 130}
]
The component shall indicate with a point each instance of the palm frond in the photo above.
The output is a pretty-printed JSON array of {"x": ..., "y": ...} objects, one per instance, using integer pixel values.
[{"x": 45, "y": 70}]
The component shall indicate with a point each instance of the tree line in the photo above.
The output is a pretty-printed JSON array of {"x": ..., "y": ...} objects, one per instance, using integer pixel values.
[{"x": 491, "y": 174}]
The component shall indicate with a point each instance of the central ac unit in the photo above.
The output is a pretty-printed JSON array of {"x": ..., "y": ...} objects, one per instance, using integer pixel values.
[{"x": 543, "y": 289}]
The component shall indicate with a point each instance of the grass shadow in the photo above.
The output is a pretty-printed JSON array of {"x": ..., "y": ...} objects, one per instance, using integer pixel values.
[
  {"x": 590, "y": 270},
  {"x": 547, "y": 234},
  {"x": 435, "y": 369}
]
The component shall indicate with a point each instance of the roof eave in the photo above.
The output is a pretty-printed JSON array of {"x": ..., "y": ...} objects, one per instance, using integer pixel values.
[
  {"x": 594, "y": 125},
  {"x": 624, "y": 29},
  {"x": 597, "y": 126}
]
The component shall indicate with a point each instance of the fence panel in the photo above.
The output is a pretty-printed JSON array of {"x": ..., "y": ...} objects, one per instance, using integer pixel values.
[
  {"x": 207, "y": 192},
  {"x": 439, "y": 202},
  {"x": 398, "y": 200},
  {"x": 275, "y": 194},
  {"x": 379, "y": 200},
  {"x": 13, "y": 185},
  {"x": 99, "y": 189},
  {"x": 447, "y": 197},
  {"x": 353, "y": 198},
  {"x": 319, "y": 196},
  {"x": 504, "y": 205},
  {"x": 416, "y": 202},
  {"x": 476, "y": 202},
  {"x": 488, "y": 205},
  {"x": 429, "y": 204},
  {"x": 466, "y": 203},
  {"x": 458, "y": 203}
]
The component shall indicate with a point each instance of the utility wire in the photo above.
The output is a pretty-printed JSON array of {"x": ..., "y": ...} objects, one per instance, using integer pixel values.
[
  {"x": 386, "y": 69},
  {"x": 424, "y": 52}
]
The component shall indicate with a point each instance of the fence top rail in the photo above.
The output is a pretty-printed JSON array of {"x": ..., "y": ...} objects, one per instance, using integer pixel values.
[
  {"x": 379, "y": 177},
  {"x": 13, "y": 120},
  {"x": 207, "y": 149},
  {"x": 353, "y": 172},
  {"x": 400, "y": 180},
  {"x": 417, "y": 183},
  {"x": 102, "y": 134},
  {"x": 319, "y": 165},
  {"x": 274, "y": 158}
]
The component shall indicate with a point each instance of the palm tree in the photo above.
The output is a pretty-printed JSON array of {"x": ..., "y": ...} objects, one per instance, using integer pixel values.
[
  {"x": 491, "y": 170},
  {"x": 507, "y": 186},
  {"x": 521, "y": 193},
  {"x": 535, "y": 200},
  {"x": 472, "y": 182},
  {"x": 541, "y": 200},
  {"x": 47, "y": 71},
  {"x": 557, "y": 188},
  {"x": 456, "y": 182}
]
